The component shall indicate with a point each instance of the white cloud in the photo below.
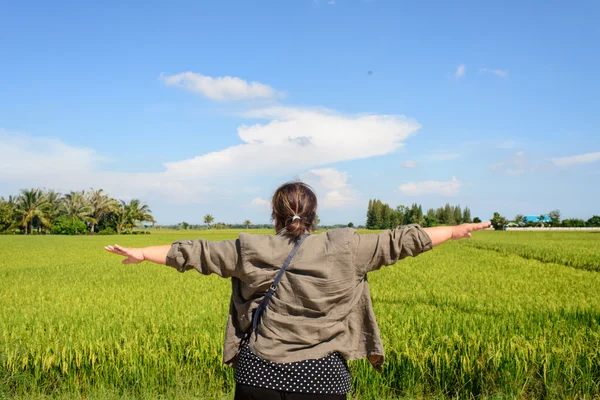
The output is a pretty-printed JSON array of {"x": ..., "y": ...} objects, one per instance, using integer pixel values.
[
  {"x": 224, "y": 88},
  {"x": 29, "y": 161},
  {"x": 331, "y": 3},
  {"x": 578, "y": 159},
  {"x": 332, "y": 187},
  {"x": 502, "y": 73},
  {"x": 25, "y": 157},
  {"x": 294, "y": 139},
  {"x": 460, "y": 71},
  {"x": 443, "y": 188},
  {"x": 291, "y": 140},
  {"x": 260, "y": 203},
  {"x": 442, "y": 156},
  {"x": 410, "y": 164}
]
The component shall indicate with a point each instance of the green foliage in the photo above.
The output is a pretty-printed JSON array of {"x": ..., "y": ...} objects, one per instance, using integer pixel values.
[
  {"x": 466, "y": 216},
  {"x": 465, "y": 321},
  {"x": 381, "y": 216},
  {"x": 38, "y": 211},
  {"x": 573, "y": 223},
  {"x": 65, "y": 225},
  {"x": 350, "y": 225},
  {"x": 208, "y": 219},
  {"x": 476, "y": 220},
  {"x": 555, "y": 217},
  {"x": 107, "y": 231},
  {"x": 498, "y": 221},
  {"x": 594, "y": 221}
]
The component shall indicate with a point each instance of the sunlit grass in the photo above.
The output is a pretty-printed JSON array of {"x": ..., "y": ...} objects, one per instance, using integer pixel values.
[{"x": 468, "y": 319}]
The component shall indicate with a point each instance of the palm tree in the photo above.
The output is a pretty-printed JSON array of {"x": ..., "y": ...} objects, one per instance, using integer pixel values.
[
  {"x": 76, "y": 206},
  {"x": 30, "y": 206},
  {"x": 139, "y": 212},
  {"x": 519, "y": 219},
  {"x": 208, "y": 219},
  {"x": 121, "y": 216},
  {"x": 247, "y": 223},
  {"x": 101, "y": 205},
  {"x": 8, "y": 214},
  {"x": 54, "y": 207}
]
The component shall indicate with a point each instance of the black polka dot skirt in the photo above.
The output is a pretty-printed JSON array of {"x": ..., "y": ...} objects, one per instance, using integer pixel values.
[{"x": 327, "y": 375}]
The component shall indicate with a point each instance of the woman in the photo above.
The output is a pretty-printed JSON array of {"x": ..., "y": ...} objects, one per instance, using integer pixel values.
[{"x": 319, "y": 315}]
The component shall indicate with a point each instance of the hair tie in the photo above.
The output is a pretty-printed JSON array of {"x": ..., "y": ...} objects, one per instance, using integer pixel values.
[{"x": 295, "y": 217}]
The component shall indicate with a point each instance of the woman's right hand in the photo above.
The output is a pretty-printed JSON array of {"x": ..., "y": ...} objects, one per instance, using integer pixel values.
[
  {"x": 134, "y": 255},
  {"x": 463, "y": 231}
]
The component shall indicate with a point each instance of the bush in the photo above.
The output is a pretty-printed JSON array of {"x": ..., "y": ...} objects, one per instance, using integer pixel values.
[
  {"x": 64, "y": 225},
  {"x": 107, "y": 231}
]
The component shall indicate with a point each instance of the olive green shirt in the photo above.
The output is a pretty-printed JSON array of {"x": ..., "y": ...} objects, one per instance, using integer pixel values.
[{"x": 322, "y": 303}]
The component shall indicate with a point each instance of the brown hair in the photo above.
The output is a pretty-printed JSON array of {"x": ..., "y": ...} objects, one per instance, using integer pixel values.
[{"x": 290, "y": 199}]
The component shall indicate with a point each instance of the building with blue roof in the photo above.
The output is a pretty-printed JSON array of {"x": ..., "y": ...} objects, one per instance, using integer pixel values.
[{"x": 537, "y": 219}]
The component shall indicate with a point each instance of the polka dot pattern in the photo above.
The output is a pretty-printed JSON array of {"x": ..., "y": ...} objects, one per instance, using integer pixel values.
[{"x": 327, "y": 375}]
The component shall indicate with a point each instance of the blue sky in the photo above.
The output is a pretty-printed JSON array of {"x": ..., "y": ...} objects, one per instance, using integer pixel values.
[{"x": 206, "y": 107}]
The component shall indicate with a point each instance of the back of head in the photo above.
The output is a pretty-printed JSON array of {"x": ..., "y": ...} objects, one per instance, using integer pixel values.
[{"x": 294, "y": 208}]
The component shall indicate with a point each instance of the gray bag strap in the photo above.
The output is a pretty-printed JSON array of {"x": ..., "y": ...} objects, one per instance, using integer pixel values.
[{"x": 263, "y": 303}]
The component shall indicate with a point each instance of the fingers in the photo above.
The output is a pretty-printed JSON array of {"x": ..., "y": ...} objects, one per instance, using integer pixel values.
[
  {"x": 124, "y": 250},
  {"x": 116, "y": 249}
]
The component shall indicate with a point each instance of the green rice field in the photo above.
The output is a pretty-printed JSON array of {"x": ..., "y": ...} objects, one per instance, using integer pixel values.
[{"x": 505, "y": 315}]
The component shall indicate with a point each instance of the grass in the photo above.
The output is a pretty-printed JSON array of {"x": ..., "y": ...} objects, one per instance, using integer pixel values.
[{"x": 504, "y": 315}]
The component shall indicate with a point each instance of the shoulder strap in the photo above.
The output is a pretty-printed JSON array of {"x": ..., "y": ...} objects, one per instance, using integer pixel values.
[{"x": 273, "y": 288}]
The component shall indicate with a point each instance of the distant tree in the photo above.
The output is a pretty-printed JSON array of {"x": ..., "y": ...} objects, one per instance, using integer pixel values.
[
  {"x": 378, "y": 210},
  {"x": 431, "y": 221},
  {"x": 139, "y": 212},
  {"x": 30, "y": 207},
  {"x": 350, "y": 225},
  {"x": 519, "y": 219},
  {"x": 555, "y": 217},
  {"x": 476, "y": 220},
  {"x": 208, "y": 219},
  {"x": 449, "y": 215},
  {"x": 371, "y": 215},
  {"x": 594, "y": 221},
  {"x": 55, "y": 206},
  {"x": 403, "y": 215},
  {"x": 247, "y": 223},
  {"x": 76, "y": 206},
  {"x": 317, "y": 220},
  {"x": 573, "y": 223},
  {"x": 101, "y": 205},
  {"x": 466, "y": 215},
  {"x": 8, "y": 214},
  {"x": 498, "y": 221},
  {"x": 185, "y": 226},
  {"x": 458, "y": 216}
]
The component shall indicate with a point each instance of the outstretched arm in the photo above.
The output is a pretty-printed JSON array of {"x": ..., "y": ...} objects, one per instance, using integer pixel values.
[
  {"x": 207, "y": 257},
  {"x": 155, "y": 254},
  {"x": 440, "y": 234}
]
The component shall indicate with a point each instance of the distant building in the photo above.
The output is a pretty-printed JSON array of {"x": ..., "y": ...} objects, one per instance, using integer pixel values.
[{"x": 537, "y": 219}]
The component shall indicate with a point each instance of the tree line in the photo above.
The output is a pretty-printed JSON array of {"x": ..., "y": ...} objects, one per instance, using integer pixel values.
[
  {"x": 37, "y": 211},
  {"x": 381, "y": 216},
  {"x": 499, "y": 221}
]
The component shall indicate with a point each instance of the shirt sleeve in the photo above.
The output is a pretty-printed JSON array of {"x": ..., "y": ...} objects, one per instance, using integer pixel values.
[
  {"x": 372, "y": 251},
  {"x": 207, "y": 257}
]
